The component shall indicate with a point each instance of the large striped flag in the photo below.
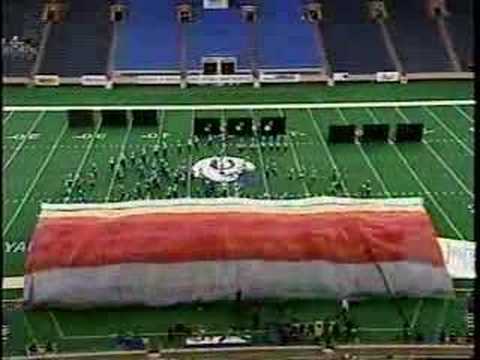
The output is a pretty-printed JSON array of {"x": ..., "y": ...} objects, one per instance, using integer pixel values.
[{"x": 171, "y": 251}]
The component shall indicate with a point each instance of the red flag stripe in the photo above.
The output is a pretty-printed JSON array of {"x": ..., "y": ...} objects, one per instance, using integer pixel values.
[{"x": 338, "y": 237}]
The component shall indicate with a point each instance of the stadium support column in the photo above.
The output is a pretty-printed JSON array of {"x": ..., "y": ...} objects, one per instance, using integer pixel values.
[
  {"x": 184, "y": 17},
  {"x": 391, "y": 49},
  {"x": 447, "y": 41},
  {"x": 182, "y": 43},
  {"x": 377, "y": 13},
  {"x": 249, "y": 15},
  {"x": 118, "y": 13},
  {"x": 437, "y": 11},
  {"x": 312, "y": 13},
  {"x": 41, "y": 50},
  {"x": 321, "y": 42}
]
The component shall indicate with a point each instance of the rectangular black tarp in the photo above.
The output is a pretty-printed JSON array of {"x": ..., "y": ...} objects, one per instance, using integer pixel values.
[
  {"x": 338, "y": 134},
  {"x": 409, "y": 132}
]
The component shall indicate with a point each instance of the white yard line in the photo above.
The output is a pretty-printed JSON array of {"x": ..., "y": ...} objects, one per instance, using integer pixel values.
[
  {"x": 161, "y": 125},
  {"x": 327, "y": 150},
  {"x": 35, "y": 180},
  {"x": 452, "y": 134},
  {"x": 260, "y": 156},
  {"x": 117, "y": 163},
  {"x": 296, "y": 160},
  {"x": 440, "y": 160},
  {"x": 449, "y": 170},
  {"x": 56, "y": 324},
  {"x": 367, "y": 160},
  {"x": 247, "y": 106},
  {"x": 25, "y": 139},
  {"x": 443, "y": 315},
  {"x": 297, "y": 164},
  {"x": 427, "y": 192},
  {"x": 8, "y": 117},
  {"x": 86, "y": 154},
  {"x": 464, "y": 114},
  {"x": 29, "y": 328},
  {"x": 190, "y": 157},
  {"x": 224, "y": 144},
  {"x": 416, "y": 314}
]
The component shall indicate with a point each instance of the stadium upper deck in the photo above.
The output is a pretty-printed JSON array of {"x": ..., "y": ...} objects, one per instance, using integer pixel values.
[{"x": 189, "y": 42}]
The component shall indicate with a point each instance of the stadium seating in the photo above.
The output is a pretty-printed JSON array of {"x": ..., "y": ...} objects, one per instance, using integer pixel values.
[
  {"x": 81, "y": 44},
  {"x": 460, "y": 24},
  {"x": 416, "y": 38},
  {"x": 284, "y": 40},
  {"x": 148, "y": 38},
  {"x": 218, "y": 33},
  {"x": 22, "y": 19},
  {"x": 353, "y": 43}
]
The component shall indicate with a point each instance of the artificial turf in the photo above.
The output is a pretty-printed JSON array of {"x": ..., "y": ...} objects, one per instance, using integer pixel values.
[
  {"x": 296, "y": 93},
  {"x": 440, "y": 170}
]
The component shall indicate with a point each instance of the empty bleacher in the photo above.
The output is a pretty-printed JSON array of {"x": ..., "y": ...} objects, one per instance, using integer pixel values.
[
  {"x": 219, "y": 32},
  {"x": 353, "y": 43},
  {"x": 460, "y": 25},
  {"x": 416, "y": 38},
  {"x": 148, "y": 39},
  {"x": 284, "y": 40},
  {"x": 22, "y": 19},
  {"x": 80, "y": 45}
]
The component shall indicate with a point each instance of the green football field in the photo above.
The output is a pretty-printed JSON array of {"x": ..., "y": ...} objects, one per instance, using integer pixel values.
[{"x": 40, "y": 150}]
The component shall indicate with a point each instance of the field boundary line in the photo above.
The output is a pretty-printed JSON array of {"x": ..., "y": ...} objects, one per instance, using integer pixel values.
[
  {"x": 117, "y": 163},
  {"x": 329, "y": 154},
  {"x": 9, "y": 115},
  {"x": 164, "y": 333},
  {"x": 19, "y": 147},
  {"x": 368, "y": 161},
  {"x": 422, "y": 185},
  {"x": 440, "y": 159},
  {"x": 413, "y": 103},
  {"x": 452, "y": 134},
  {"x": 464, "y": 114},
  {"x": 35, "y": 180},
  {"x": 260, "y": 156}
]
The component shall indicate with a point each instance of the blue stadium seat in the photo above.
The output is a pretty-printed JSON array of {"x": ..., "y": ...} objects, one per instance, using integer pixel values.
[
  {"x": 80, "y": 45},
  {"x": 353, "y": 43},
  {"x": 148, "y": 39},
  {"x": 284, "y": 40},
  {"x": 218, "y": 33},
  {"x": 417, "y": 39}
]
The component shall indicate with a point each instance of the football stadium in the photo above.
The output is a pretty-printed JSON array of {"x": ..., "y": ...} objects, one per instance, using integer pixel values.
[{"x": 238, "y": 179}]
